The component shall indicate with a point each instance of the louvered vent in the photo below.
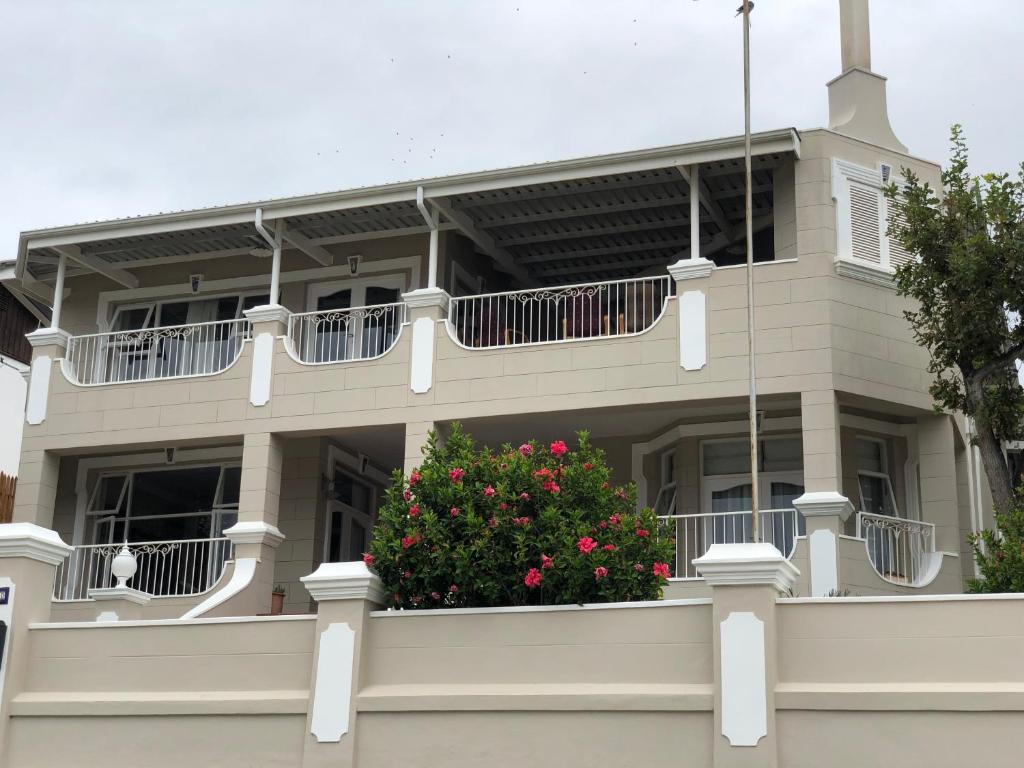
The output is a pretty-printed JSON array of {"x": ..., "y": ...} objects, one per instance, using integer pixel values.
[
  {"x": 898, "y": 255},
  {"x": 867, "y": 241}
]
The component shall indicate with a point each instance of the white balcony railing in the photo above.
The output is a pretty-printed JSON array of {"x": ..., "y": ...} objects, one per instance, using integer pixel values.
[
  {"x": 336, "y": 335},
  {"x": 169, "y": 352},
  {"x": 901, "y": 551},
  {"x": 695, "y": 533},
  {"x": 165, "y": 568},
  {"x": 565, "y": 313}
]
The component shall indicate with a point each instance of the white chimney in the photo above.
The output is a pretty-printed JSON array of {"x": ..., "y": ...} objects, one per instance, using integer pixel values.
[{"x": 856, "y": 99}]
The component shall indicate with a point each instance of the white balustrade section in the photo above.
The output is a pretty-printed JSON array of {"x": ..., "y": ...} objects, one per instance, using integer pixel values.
[
  {"x": 900, "y": 551},
  {"x": 337, "y": 335},
  {"x": 564, "y": 313},
  {"x": 165, "y": 568},
  {"x": 695, "y": 533},
  {"x": 168, "y": 352}
]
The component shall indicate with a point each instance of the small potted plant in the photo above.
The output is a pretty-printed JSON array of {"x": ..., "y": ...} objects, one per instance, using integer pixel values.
[{"x": 277, "y": 600}]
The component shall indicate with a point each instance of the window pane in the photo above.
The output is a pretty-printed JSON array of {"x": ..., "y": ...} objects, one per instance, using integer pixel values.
[
  {"x": 338, "y": 300},
  {"x": 782, "y": 455},
  {"x": 735, "y": 499},
  {"x": 107, "y": 494},
  {"x": 869, "y": 456},
  {"x": 356, "y": 542},
  {"x": 348, "y": 491},
  {"x": 377, "y": 295},
  {"x": 669, "y": 470},
  {"x": 174, "y": 491},
  {"x": 731, "y": 458},
  {"x": 875, "y": 496},
  {"x": 175, "y": 313},
  {"x": 230, "y": 486},
  {"x": 249, "y": 302},
  {"x": 131, "y": 319}
]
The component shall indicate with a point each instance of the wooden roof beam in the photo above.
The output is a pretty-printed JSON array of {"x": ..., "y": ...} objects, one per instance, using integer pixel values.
[
  {"x": 482, "y": 238},
  {"x": 707, "y": 200},
  {"x": 118, "y": 275}
]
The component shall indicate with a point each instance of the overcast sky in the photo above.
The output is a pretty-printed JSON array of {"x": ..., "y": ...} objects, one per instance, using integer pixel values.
[{"x": 113, "y": 109}]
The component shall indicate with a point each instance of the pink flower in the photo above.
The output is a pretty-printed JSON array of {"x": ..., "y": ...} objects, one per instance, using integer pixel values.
[
  {"x": 489, "y": 491},
  {"x": 407, "y": 575},
  {"x": 435, "y": 596},
  {"x": 453, "y": 588},
  {"x": 600, "y": 572},
  {"x": 503, "y": 506},
  {"x": 414, "y": 477},
  {"x": 546, "y": 562},
  {"x": 614, "y": 519},
  {"x": 408, "y": 541},
  {"x": 608, "y": 547},
  {"x": 660, "y": 570},
  {"x": 454, "y": 511},
  {"x": 639, "y": 567},
  {"x": 588, "y": 466},
  {"x": 643, "y": 533},
  {"x": 414, "y": 510},
  {"x": 457, "y": 474},
  {"x": 492, "y": 522},
  {"x": 526, "y": 449},
  {"x": 542, "y": 472},
  {"x": 605, "y": 486},
  {"x": 407, "y": 494},
  {"x": 552, "y": 487},
  {"x": 524, "y": 496},
  {"x": 533, "y": 578},
  {"x": 586, "y": 545},
  {"x": 369, "y": 559},
  {"x": 602, "y": 525},
  {"x": 620, "y": 493},
  {"x": 522, "y": 521},
  {"x": 558, "y": 448}
]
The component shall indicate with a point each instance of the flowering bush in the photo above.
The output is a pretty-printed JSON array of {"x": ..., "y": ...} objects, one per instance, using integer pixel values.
[{"x": 533, "y": 525}]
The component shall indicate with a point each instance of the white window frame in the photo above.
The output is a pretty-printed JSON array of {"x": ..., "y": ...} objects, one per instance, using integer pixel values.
[
  {"x": 667, "y": 487},
  {"x": 368, "y": 518},
  {"x": 711, "y": 483},
  {"x": 156, "y": 305},
  {"x": 884, "y": 475},
  {"x": 96, "y": 516},
  {"x": 845, "y": 174},
  {"x": 358, "y": 286}
]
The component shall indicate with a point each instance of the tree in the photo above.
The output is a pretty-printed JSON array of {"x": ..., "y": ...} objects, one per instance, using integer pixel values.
[
  {"x": 1000, "y": 554},
  {"x": 968, "y": 282}
]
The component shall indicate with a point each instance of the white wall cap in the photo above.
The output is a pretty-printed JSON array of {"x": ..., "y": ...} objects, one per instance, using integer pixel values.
[
  {"x": 427, "y": 297},
  {"x": 746, "y": 564},
  {"x": 267, "y": 313},
  {"x": 32, "y": 541},
  {"x": 690, "y": 269},
  {"x": 254, "y": 532},
  {"x": 44, "y": 337},
  {"x": 344, "y": 581},
  {"x": 823, "y": 504},
  {"x": 119, "y": 593}
]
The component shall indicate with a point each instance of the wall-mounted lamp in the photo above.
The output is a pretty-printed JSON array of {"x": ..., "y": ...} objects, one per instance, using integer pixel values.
[{"x": 353, "y": 263}]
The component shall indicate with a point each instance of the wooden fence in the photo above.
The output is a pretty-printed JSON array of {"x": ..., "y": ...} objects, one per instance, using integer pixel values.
[{"x": 7, "y": 484}]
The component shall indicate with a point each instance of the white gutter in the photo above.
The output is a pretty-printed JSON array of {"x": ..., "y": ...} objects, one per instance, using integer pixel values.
[
  {"x": 275, "y": 242},
  {"x": 432, "y": 220}
]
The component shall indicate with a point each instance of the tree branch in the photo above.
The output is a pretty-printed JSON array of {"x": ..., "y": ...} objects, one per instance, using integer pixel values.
[{"x": 1009, "y": 357}]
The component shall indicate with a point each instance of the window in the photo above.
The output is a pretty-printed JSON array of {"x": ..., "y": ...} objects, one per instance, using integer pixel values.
[
  {"x": 160, "y": 314},
  {"x": 165, "y": 504},
  {"x": 873, "y": 479},
  {"x": 350, "y": 515},
  {"x": 665, "y": 503},
  {"x": 864, "y": 249},
  {"x": 727, "y": 490}
]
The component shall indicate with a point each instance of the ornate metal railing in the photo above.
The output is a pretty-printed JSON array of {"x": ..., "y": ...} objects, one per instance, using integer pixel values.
[
  {"x": 900, "y": 550},
  {"x": 335, "y": 335},
  {"x": 694, "y": 534},
  {"x": 168, "y": 352},
  {"x": 165, "y": 568},
  {"x": 565, "y": 313}
]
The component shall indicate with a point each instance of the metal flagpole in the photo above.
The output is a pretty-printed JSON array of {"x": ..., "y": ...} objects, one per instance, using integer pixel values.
[{"x": 755, "y": 522}]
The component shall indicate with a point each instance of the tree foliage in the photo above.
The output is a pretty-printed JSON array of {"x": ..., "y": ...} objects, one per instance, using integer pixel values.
[
  {"x": 968, "y": 283},
  {"x": 1000, "y": 554},
  {"x": 531, "y": 525}
]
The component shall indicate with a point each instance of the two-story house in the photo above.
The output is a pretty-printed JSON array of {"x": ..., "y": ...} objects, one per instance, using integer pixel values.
[{"x": 229, "y": 389}]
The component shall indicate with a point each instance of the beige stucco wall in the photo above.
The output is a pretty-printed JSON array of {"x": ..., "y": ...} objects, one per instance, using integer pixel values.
[{"x": 859, "y": 680}]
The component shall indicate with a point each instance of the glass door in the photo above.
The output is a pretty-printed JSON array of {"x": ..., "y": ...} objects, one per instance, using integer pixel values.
[{"x": 350, "y": 514}]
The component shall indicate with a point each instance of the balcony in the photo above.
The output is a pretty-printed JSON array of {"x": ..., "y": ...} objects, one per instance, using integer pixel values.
[
  {"x": 343, "y": 335},
  {"x": 901, "y": 551},
  {"x": 582, "y": 312},
  {"x": 177, "y": 568},
  {"x": 148, "y": 354}
]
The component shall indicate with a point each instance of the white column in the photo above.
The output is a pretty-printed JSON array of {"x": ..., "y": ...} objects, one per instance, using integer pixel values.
[
  {"x": 694, "y": 211},
  {"x": 275, "y": 269},
  {"x": 432, "y": 260},
  {"x": 58, "y": 292}
]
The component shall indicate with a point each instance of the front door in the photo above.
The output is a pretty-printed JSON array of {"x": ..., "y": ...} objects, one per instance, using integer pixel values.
[{"x": 350, "y": 517}]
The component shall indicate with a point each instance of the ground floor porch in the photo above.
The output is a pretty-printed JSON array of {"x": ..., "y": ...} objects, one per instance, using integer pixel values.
[{"x": 869, "y": 499}]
